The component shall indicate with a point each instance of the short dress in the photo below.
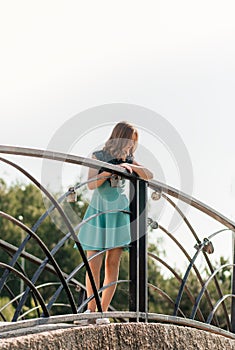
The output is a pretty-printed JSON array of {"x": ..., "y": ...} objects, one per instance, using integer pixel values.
[{"x": 108, "y": 230}]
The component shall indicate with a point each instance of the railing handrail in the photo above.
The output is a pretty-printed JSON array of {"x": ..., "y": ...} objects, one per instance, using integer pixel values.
[
  {"x": 60, "y": 156},
  {"x": 193, "y": 202},
  {"x": 153, "y": 184}
]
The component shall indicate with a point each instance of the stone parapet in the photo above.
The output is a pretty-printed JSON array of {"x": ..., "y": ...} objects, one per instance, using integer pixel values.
[{"x": 121, "y": 336}]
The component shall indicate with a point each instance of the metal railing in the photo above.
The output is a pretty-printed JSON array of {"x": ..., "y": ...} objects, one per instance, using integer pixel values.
[{"x": 139, "y": 257}]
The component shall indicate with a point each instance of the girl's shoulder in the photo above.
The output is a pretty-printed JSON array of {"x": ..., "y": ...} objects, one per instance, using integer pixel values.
[
  {"x": 101, "y": 155},
  {"x": 98, "y": 154}
]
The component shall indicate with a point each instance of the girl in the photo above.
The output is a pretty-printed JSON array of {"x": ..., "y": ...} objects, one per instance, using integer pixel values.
[{"x": 109, "y": 230}]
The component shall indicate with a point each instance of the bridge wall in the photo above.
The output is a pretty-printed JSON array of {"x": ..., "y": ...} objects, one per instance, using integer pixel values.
[{"x": 121, "y": 336}]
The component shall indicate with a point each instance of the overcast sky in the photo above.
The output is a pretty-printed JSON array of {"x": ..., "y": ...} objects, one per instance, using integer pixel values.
[{"x": 176, "y": 58}]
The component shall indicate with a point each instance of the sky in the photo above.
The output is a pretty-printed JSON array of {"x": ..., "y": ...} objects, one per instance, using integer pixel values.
[{"x": 59, "y": 58}]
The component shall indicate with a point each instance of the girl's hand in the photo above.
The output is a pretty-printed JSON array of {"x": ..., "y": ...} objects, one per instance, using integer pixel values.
[{"x": 127, "y": 167}]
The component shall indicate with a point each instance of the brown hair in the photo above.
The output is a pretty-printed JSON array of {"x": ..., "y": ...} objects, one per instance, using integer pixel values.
[{"x": 122, "y": 133}]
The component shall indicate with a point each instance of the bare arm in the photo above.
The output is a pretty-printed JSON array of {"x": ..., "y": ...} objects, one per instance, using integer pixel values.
[
  {"x": 100, "y": 178},
  {"x": 140, "y": 170}
]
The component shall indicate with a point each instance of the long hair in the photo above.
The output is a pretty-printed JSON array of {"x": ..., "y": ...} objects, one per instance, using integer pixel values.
[{"x": 123, "y": 133}]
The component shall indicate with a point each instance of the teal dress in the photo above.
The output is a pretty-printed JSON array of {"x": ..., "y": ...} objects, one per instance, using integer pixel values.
[{"x": 107, "y": 230}]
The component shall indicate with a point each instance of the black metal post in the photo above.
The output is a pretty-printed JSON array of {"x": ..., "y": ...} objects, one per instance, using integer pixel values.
[
  {"x": 233, "y": 289},
  {"x": 138, "y": 292},
  {"x": 143, "y": 259},
  {"x": 133, "y": 266}
]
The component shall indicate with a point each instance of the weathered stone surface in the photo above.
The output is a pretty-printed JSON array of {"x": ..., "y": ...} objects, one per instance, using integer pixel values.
[{"x": 121, "y": 336}]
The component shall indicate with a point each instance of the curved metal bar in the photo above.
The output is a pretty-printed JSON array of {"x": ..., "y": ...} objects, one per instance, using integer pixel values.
[
  {"x": 117, "y": 314},
  {"x": 12, "y": 296},
  {"x": 165, "y": 296},
  {"x": 177, "y": 276},
  {"x": 61, "y": 198},
  {"x": 20, "y": 269},
  {"x": 183, "y": 216},
  {"x": 18, "y": 264},
  {"x": 37, "y": 307},
  {"x": 48, "y": 284},
  {"x": 27, "y": 281},
  {"x": 70, "y": 228},
  {"x": 205, "y": 286},
  {"x": 178, "y": 299},
  {"x": 45, "y": 250},
  {"x": 3, "y": 317},
  {"x": 210, "y": 317},
  {"x": 204, "y": 253},
  {"x": 15, "y": 298},
  {"x": 181, "y": 290},
  {"x": 100, "y": 291},
  {"x": 193, "y": 202},
  {"x": 190, "y": 260},
  {"x": 13, "y": 261}
]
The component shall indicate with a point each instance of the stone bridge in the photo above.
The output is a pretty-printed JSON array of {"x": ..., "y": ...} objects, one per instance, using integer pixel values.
[{"x": 136, "y": 328}]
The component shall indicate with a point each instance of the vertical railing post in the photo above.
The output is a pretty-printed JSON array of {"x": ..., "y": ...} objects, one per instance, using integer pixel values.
[
  {"x": 138, "y": 292},
  {"x": 233, "y": 289},
  {"x": 143, "y": 258},
  {"x": 133, "y": 265}
]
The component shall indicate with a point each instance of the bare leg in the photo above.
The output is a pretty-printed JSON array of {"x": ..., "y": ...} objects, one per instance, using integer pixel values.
[
  {"x": 112, "y": 262},
  {"x": 95, "y": 265}
]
